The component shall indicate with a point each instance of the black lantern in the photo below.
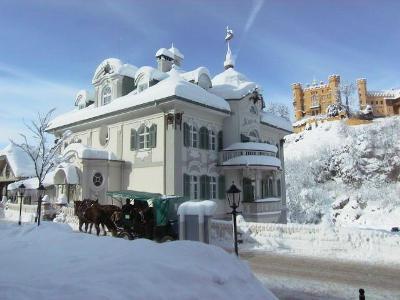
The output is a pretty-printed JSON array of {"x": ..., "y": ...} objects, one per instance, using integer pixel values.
[
  {"x": 40, "y": 193},
  {"x": 233, "y": 197},
  {"x": 21, "y": 192}
]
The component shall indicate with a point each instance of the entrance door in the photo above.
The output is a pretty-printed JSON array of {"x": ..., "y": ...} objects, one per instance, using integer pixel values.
[{"x": 248, "y": 190}]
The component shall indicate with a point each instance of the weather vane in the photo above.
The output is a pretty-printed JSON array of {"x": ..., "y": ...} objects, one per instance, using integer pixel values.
[{"x": 229, "y": 34}]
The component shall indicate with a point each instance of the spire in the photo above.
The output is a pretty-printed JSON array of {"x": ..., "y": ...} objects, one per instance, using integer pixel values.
[{"x": 229, "y": 60}]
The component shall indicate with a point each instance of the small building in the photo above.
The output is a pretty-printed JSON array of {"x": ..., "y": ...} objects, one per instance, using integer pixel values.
[
  {"x": 15, "y": 165},
  {"x": 175, "y": 132},
  {"x": 384, "y": 103}
]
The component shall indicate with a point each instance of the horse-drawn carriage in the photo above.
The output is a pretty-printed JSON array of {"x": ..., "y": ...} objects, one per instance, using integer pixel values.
[{"x": 153, "y": 216}]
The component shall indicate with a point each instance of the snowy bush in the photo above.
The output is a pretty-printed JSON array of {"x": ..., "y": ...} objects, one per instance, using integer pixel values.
[{"x": 360, "y": 163}]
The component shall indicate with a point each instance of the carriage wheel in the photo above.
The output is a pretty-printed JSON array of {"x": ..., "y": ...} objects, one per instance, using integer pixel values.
[{"x": 125, "y": 235}]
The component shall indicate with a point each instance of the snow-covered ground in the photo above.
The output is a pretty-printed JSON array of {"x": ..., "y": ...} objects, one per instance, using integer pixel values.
[
  {"x": 345, "y": 175},
  {"x": 54, "y": 262}
]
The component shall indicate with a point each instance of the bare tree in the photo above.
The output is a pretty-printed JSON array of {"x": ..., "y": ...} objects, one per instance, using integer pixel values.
[
  {"x": 278, "y": 109},
  {"x": 347, "y": 91},
  {"x": 44, "y": 154}
]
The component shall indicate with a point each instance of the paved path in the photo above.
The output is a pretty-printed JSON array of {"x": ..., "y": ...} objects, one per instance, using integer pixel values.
[{"x": 295, "y": 277}]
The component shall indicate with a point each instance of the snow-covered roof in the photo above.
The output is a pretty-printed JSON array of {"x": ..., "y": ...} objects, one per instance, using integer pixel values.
[
  {"x": 172, "y": 86},
  {"x": 195, "y": 74},
  {"x": 83, "y": 96},
  {"x": 150, "y": 73},
  {"x": 175, "y": 51},
  {"x": 33, "y": 183},
  {"x": 165, "y": 52},
  {"x": 21, "y": 164},
  {"x": 388, "y": 94},
  {"x": 252, "y": 146},
  {"x": 199, "y": 208},
  {"x": 253, "y": 160},
  {"x": 276, "y": 121},
  {"x": 115, "y": 67},
  {"x": 85, "y": 152},
  {"x": 231, "y": 84}
]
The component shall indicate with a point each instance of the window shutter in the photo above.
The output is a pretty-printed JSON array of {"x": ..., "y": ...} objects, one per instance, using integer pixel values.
[
  {"x": 206, "y": 139},
  {"x": 134, "y": 139},
  {"x": 186, "y": 135},
  {"x": 220, "y": 141},
  {"x": 153, "y": 136},
  {"x": 186, "y": 186},
  {"x": 203, "y": 187},
  {"x": 221, "y": 187},
  {"x": 208, "y": 187}
]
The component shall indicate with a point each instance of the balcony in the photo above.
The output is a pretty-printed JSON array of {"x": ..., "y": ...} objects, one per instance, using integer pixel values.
[
  {"x": 250, "y": 155},
  {"x": 268, "y": 210}
]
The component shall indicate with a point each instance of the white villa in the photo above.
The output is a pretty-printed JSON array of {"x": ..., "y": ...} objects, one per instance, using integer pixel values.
[{"x": 174, "y": 132}]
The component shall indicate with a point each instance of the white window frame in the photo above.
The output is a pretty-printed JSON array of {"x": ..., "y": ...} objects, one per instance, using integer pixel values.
[
  {"x": 106, "y": 95},
  {"x": 143, "y": 137},
  {"x": 213, "y": 187},
  {"x": 194, "y": 187},
  {"x": 213, "y": 140},
  {"x": 194, "y": 133}
]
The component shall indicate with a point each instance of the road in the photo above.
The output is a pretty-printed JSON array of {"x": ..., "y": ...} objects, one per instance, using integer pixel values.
[{"x": 295, "y": 277}]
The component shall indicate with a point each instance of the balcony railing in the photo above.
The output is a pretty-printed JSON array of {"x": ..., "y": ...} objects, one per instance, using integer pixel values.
[
  {"x": 227, "y": 155},
  {"x": 268, "y": 205}
]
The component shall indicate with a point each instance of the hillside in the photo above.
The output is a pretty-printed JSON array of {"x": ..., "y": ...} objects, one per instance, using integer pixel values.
[{"x": 344, "y": 175}]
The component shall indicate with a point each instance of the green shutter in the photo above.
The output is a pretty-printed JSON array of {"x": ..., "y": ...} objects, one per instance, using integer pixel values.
[
  {"x": 203, "y": 187},
  {"x": 206, "y": 139},
  {"x": 208, "y": 188},
  {"x": 186, "y": 135},
  {"x": 134, "y": 140},
  {"x": 221, "y": 187},
  {"x": 153, "y": 136},
  {"x": 220, "y": 141},
  {"x": 186, "y": 186}
]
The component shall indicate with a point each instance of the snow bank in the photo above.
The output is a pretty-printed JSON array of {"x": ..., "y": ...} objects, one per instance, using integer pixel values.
[
  {"x": 53, "y": 262},
  {"x": 200, "y": 208},
  {"x": 335, "y": 162}
]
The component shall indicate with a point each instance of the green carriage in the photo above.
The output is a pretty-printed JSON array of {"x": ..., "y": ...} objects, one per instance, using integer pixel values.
[{"x": 164, "y": 209}]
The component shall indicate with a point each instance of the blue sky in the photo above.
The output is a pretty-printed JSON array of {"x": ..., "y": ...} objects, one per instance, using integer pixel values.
[{"x": 50, "y": 49}]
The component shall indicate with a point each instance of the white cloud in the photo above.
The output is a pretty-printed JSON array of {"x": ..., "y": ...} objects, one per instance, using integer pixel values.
[{"x": 23, "y": 95}]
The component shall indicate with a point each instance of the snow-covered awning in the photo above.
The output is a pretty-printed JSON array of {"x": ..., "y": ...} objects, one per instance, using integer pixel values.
[
  {"x": 66, "y": 174},
  {"x": 85, "y": 152},
  {"x": 253, "y": 161},
  {"x": 252, "y": 146},
  {"x": 32, "y": 183}
]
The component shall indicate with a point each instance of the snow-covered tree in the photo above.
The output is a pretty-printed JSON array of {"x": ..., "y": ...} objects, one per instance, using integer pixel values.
[
  {"x": 44, "y": 154},
  {"x": 347, "y": 91},
  {"x": 278, "y": 109}
]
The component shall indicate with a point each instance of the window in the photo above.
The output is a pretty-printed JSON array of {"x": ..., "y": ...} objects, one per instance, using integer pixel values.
[
  {"x": 314, "y": 100},
  {"x": 204, "y": 139},
  {"x": 270, "y": 188},
  {"x": 213, "y": 188},
  {"x": 194, "y": 184},
  {"x": 221, "y": 187},
  {"x": 277, "y": 152},
  {"x": 194, "y": 136},
  {"x": 213, "y": 140},
  {"x": 144, "y": 137},
  {"x": 254, "y": 136},
  {"x": 97, "y": 179},
  {"x": 186, "y": 135},
  {"x": 106, "y": 95}
]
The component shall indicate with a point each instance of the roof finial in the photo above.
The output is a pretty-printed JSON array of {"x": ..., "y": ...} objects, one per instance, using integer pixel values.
[{"x": 229, "y": 60}]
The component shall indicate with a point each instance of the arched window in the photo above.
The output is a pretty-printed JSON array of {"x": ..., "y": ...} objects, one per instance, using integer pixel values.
[
  {"x": 204, "y": 141},
  {"x": 144, "y": 137},
  {"x": 254, "y": 136},
  {"x": 106, "y": 95}
]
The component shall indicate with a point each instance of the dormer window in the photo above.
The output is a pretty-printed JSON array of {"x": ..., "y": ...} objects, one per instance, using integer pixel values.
[{"x": 106, "y": 95}]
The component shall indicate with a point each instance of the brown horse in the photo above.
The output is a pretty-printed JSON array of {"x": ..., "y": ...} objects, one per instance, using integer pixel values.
[
  {"x": 97, "y": 215},
  {"x": 80, "y": 208}
]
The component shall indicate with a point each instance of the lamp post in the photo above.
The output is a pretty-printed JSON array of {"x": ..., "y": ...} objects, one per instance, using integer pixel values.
[
  {"x": 40, "y": 192},
  {"x": 233, "y": 197},
  {"x": 21, "y": 192}
]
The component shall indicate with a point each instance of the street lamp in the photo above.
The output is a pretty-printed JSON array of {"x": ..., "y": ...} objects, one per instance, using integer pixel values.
[
  {"x": 233, "y": 197},
  {"x": 40, "y": 193},
  {"x": 21, "y": 192}
]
